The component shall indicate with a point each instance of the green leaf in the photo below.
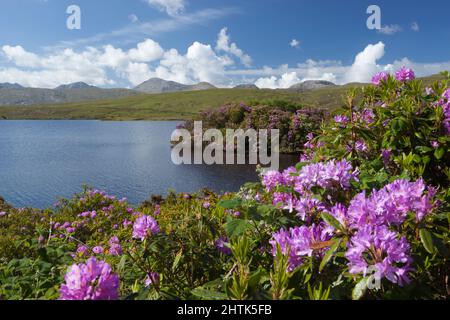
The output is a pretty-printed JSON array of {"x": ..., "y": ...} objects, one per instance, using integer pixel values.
[
  {"x": 177, "y": 260},
  {"x": 423, "y": 149},
  {"x": 230, "y": 204},
  {"x": 427, "y": 240},
  {"x": 439, "y": 153},
  {"x": 360, "y": 289},
  {"x": 332, "y": 221},
  {"x": 329, "y": 254},
  {"x": 236, "y": 227},
  {"x": 265, "y": 210},
  {"x": 208, "y": 294},
  {"x": 441, "y": 247}
]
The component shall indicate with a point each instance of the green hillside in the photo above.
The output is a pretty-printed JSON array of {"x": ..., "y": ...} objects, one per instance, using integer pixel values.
[{"x": 174, "y": 106}]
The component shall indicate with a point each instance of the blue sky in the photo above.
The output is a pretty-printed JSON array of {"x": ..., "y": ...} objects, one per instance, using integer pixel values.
[{"x": 185, "y": 41}]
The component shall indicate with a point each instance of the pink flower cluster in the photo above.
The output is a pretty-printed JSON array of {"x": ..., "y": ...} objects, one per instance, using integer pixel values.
[{"x": 91, "y": 281}]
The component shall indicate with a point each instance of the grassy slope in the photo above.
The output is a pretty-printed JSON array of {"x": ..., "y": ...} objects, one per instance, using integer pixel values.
[{"x": 174, "y": 106}]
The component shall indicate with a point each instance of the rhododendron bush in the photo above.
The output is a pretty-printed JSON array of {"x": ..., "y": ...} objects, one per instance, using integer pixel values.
[
  {"x": 363, "y": 215},
  {"x": 293, "y": 121}
]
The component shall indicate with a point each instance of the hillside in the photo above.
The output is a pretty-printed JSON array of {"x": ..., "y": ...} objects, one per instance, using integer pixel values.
[
  {"x": 178, "y": 105},
  {"x": 14, "y": 94},
  {"x": 157, "y": 85},
  {"x": 166, "y": 106}
]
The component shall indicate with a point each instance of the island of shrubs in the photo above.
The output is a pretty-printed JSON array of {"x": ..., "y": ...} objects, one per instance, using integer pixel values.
[{"x": 363, "y": 215}]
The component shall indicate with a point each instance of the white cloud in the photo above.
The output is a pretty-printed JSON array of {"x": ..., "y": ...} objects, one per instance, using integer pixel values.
[
  {"x": 133, "y": 18},
  {"x": 171, "y": 7},
  {"x": 365, "y": 64},
  {"x": 295, "y": 43},
  {"x": 21, "y": 57},
  {"x": 106, "y": 65},
  {"x": 390, "y": 29},
  {"x": 286, "y": 80},
  {"x": 223, "y": 44},
  {"x": 110, "y": 65},
  {"x": 146, "y": 51},
  {"x": 415, "y": 26},
  {"x": 200, "y": 63}
]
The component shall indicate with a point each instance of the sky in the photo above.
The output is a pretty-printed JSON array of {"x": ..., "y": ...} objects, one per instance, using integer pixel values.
[{"x": 271, "y": 43}]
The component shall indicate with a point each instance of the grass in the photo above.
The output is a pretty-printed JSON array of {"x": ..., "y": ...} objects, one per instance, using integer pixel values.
[{"x": 174, "y": 106}]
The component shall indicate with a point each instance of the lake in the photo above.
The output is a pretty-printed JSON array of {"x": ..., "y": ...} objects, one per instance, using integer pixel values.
[{"x": 41, "y": 160}]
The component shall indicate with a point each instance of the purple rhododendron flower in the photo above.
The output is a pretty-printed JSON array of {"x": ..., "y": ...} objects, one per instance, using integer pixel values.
[
  {"x": 144, "y": 227},
  {"x": 272, "y": 179},
  {"x": 305, "y": 206},
  {"x": 367, "y": 116},
  {"x": 152, "y": 279},
  {"x": 91, "y": 281},
  {"x": 41, "y": 239},
  {"x": 82, "y": 251},
  {"x": 98, "y": 250},
  {"x": 341, "y": 119},
  {"x": 327, "y": 175},
  {"x": 115, "y": 249},
  {"x": 206, "y": 204},
  {"x": 386, "y": 155},
  {"x": 289, "y": 176},
  {"x": 378, "y": 77},
  {"x": 391, "y": 204},
  {"x": 300, "y": 242},
  {"x": 429, "y": 91},
  {"x": 435, "y": 144},
  {"x": 405, "y": 74},
  {"x": 361, "y": 146},
  {"x": 222, "y": 245},
  {"x": 446, "y": 94},
  {"x": 339, "y": 212},
  {"x": 379, "y": 247},
  {"x": 446, "y": 103}
]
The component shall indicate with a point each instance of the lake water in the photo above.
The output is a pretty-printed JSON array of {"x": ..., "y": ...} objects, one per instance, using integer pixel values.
[{"x": 41, "y": 160}]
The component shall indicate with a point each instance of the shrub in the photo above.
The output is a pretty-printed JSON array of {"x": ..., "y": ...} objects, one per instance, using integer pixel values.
[{"x": 365, "y": 214}]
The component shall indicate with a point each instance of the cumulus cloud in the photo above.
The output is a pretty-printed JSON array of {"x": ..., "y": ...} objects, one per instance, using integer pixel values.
[
  {"x": 295, "y": 43},
  {"x": 286, "y": 80},
  {"x": 171, "y": 7},
  {"x": 102, "y": 66},
  {"x": 200, "y": 63},
  {"x": 223, "y": 44},
  {"x": 365, "y": 64},
  {"x": 146, "y": 51},
  {"x": 113, "y": 66},
  {"x": 21, "y": 57},
  {"x": 390, "y": 29}
]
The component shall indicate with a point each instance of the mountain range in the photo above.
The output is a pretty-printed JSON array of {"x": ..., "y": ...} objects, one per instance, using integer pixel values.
[{"x": 15, "y": 94}]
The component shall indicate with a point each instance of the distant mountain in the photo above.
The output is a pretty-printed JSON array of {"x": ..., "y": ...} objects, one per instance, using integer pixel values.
[
  {"x": 246, "y": 86},
  {"x": 201, "y": 86},
  {"x": 18, "y": 95},
  {"x": 75, "y": 85},
  {"x": 311, "y": 85},
  {"x": 7, "y": 85},
  {"x": 157, "y": 85}
]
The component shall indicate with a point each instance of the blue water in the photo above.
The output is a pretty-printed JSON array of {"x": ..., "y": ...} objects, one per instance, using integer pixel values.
[{"x": 41, "y": 160}]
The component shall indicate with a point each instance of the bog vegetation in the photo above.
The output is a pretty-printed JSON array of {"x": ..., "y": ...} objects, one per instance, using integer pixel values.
[{"x": 363, "y": 215}]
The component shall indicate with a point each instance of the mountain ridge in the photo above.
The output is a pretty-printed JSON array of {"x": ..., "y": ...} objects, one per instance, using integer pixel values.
[{"x": 158, "y": 85}]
